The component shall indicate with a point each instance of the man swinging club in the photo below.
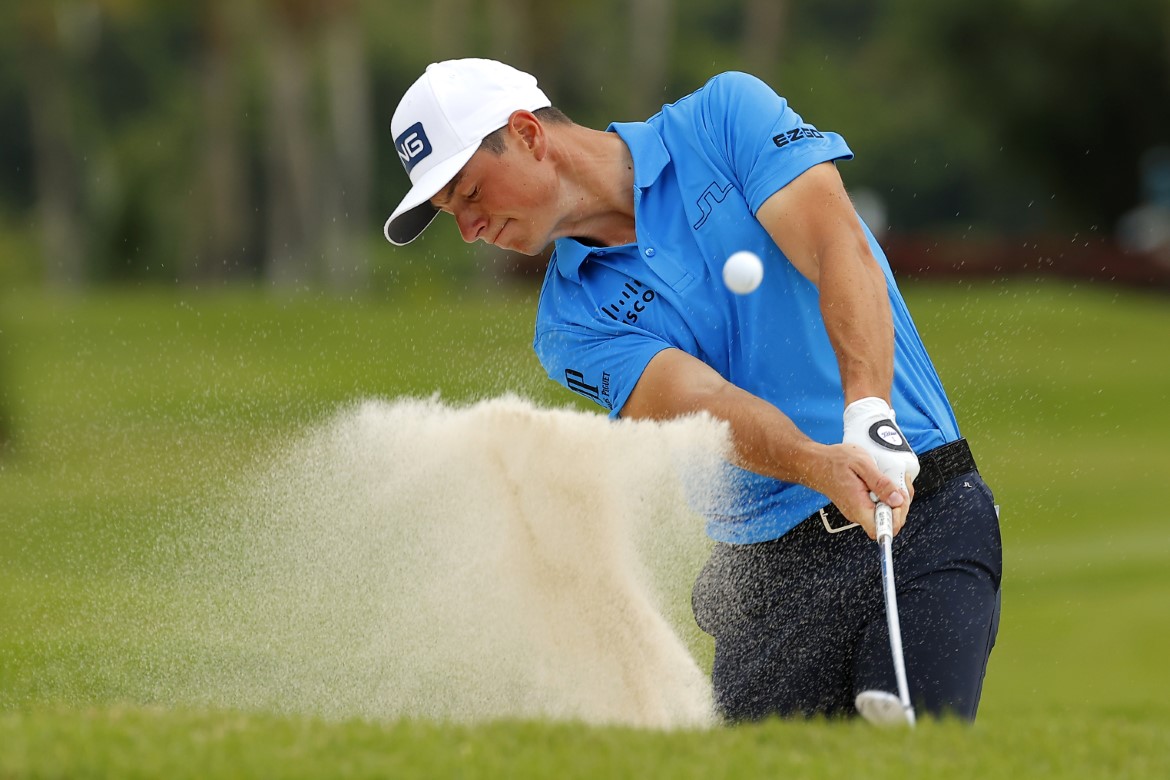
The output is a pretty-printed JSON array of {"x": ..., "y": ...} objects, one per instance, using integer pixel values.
[{"x": 831, "y": 399}]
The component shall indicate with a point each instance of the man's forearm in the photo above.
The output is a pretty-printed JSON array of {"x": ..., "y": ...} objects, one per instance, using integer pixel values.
[{"x": 856, "y": 309}]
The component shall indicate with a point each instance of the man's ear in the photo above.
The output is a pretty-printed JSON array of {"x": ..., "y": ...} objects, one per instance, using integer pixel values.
[{"x": 529, "y": 131}]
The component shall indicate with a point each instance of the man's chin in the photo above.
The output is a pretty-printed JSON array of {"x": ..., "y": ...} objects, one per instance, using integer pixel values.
[
  {"x": 530, "y": 251},
  {"x": 531, "y": 248}
]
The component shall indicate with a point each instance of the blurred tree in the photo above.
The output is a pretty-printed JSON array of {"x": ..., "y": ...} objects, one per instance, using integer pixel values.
[
  {"x": 651, "y": 33},
  {"x": 1074, "y": 91},
  {"x": 205, "y": 140},
  {"x": 560, "y": 50},
  {"x": 291, "y": 163},
  {"x": 510, "y": 28},
  {"x": 765, "y": 23},
  {"x": 347, "y": 180},
  {"x": 449, "y": 27},
  {"x": 221, "y": 232},
  {"x": 318, "y": 144},
  {"x": 55, "y": 34}
]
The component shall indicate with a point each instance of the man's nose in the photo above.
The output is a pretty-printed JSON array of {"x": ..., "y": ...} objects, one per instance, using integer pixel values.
[{"x": 471, "y": 223}]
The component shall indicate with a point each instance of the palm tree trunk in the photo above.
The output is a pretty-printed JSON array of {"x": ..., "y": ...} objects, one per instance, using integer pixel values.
[
  {"x": 347, "y": 192},
  {"x": 449, "y": 28},
  {"x": 55, "y": 156},
  {"x": 509, "y": 26},
  {"x": 221, "y": 248},
  {"x": 765, "y": 22},
  {"x": 293, "y": 213},
  {"x": 651, "y": 31}
]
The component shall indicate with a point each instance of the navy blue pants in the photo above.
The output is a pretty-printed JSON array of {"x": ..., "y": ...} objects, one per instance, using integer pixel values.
[{"x": 800, "y": 626}]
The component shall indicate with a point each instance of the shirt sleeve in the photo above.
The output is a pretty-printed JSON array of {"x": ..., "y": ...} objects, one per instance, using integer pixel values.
[
  {"x": 764, "y": 143},
  {"x": 602, "y": 367}
]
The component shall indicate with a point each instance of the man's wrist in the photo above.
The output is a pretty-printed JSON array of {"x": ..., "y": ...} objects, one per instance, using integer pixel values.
[
  {"x": 871, "y": 404},
  {"x": 807, "y": 464},
  {"x": 867, "y": 408}
]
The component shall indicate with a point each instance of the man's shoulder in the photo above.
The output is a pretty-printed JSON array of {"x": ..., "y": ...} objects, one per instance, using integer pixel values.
[
  {"x": 724, "y": 88},
  {"x": 731, "y": 80},
  {"x": 727, "y": 101}
]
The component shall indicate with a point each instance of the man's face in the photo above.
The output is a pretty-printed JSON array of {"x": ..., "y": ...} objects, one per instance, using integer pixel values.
[{"x": 503, "y": 199}]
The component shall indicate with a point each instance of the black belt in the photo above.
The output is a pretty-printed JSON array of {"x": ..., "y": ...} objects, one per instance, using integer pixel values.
[{"x": 935, "y": 468}]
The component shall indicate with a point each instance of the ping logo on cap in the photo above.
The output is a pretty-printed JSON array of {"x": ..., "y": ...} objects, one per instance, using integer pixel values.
[{"x": 413, "y": 145}]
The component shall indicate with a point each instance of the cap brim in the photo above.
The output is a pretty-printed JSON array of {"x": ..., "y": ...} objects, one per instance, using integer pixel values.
[
  {"x": 410, "y": 224},
  {"x": 415, "y": 211}
]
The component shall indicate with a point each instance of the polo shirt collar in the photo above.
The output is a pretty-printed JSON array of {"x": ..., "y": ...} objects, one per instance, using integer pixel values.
[
  {"x": 646, "y": 147},
  {"x": 650, "y": 159}
]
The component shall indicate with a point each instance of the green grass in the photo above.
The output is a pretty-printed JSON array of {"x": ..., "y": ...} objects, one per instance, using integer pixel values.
[
  {"x": 132, "y": 743},
  {"x": 131, "y": 409}
]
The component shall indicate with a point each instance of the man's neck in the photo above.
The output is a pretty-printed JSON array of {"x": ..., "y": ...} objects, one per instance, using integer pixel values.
[{"x": 597, "y": 186}]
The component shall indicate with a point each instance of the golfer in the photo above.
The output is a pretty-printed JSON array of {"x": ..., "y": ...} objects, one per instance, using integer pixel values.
[{"x": 830, "y": 397}]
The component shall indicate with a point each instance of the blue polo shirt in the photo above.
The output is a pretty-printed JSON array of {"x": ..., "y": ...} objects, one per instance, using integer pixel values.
[{"x": 702, "y": 168}]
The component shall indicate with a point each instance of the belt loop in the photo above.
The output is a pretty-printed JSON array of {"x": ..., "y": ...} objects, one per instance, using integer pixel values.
[{"x": 831, "y": 529}]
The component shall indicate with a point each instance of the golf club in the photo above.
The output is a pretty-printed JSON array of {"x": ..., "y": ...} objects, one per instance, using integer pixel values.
[{"x": 882, "y": 707}]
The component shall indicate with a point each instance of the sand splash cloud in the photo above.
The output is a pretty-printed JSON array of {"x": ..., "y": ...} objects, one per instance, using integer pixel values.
[{"x": 413, "y": 559}]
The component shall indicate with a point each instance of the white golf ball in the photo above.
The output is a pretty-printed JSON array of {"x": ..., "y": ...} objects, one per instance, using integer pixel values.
[{"x": 743, "y": 272}]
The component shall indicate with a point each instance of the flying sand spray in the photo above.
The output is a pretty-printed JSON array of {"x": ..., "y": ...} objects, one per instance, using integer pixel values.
[{"x": 411, "y": 559}]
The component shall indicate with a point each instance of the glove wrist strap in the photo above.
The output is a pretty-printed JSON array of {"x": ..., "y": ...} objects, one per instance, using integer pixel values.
[{"x": 864, "y": 407}]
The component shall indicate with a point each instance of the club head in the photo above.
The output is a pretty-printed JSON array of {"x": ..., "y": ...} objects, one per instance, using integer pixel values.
[{"x": 882, "y": 708}]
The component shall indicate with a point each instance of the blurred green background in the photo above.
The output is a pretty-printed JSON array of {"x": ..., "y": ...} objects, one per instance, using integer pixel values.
[
  {"x": 225, "y": 141},
  {"x": 192, "y": 266}
]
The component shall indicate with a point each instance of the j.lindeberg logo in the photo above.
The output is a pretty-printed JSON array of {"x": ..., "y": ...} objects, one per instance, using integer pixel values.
[
  {"x": 413, "y": 145},
  {"x": 712, "y": 196}
]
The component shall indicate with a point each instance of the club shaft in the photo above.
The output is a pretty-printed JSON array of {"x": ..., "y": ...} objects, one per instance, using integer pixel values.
[{"x": 884, "y": 522}]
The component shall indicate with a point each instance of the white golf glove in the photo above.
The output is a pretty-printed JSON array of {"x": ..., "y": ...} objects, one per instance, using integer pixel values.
[{"x": 869, "y": 423}]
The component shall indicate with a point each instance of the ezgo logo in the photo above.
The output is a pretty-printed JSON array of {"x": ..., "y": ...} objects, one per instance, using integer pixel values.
[{"x": 413, "y": 145}]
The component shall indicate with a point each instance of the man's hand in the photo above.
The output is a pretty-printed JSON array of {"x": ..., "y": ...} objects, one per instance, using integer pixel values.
[
  {"x": 849, "y": 477},
  {"x": 870, "y": 425}
]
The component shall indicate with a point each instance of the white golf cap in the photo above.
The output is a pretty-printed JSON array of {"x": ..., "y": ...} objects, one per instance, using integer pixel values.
[{"x": 439, "y": 124}]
